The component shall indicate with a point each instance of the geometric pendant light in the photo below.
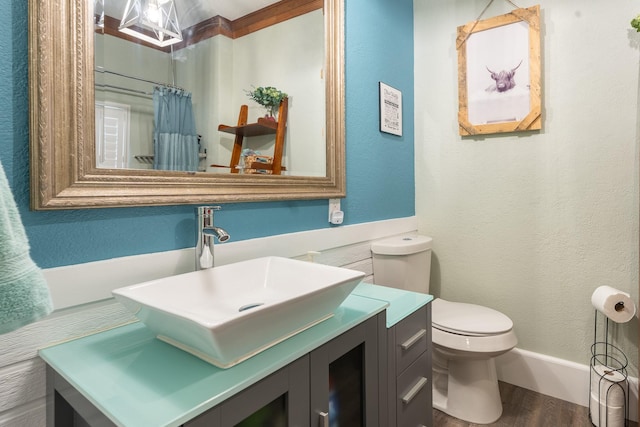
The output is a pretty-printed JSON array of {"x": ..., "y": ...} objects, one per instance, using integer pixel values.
[
  {"x": 154, "y": 21},
  {"x": 98, "y": 14}
]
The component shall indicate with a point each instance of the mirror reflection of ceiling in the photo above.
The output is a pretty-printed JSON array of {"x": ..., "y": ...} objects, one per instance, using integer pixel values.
[{"x": 192, "y": 12}]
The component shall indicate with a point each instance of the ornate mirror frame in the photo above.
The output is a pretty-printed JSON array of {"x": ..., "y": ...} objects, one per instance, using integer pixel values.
[{"x": 62, "y": 127}]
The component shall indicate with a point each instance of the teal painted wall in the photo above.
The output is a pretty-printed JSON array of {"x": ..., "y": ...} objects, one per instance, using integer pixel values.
[{"x": 380, "y": 167}]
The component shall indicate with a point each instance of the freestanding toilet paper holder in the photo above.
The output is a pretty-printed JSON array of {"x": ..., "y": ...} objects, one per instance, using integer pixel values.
[{"x": 608, "y": 381}]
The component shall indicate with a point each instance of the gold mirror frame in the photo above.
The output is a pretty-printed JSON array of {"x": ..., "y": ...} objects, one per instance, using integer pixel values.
[{"x": 62, "y": 127}]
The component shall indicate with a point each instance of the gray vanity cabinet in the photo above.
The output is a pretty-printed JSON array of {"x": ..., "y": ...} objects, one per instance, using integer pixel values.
[
  {"x": 370, "y": 375},
  {"x": 408, "y": 375},
  {"x": 339, "y": 379},
  {"x": 281, "y": 399}
]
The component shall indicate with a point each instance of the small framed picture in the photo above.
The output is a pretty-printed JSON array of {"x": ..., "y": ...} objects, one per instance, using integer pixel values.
[
  {"x": 390, "y": 110},
  {"x": 499, "y": 87}
]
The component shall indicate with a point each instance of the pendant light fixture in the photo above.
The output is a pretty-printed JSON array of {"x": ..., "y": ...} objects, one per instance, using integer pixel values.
[
  {"x": 154, "y": 21},
  {"x": 98, "y": 14}
]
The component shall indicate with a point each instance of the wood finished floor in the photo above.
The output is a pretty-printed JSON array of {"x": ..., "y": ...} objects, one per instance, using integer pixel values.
[{"x": 526, "y": 408}]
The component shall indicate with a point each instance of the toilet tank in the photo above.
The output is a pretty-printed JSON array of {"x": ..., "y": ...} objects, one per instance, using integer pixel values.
[{"x": 402, "y": 262}]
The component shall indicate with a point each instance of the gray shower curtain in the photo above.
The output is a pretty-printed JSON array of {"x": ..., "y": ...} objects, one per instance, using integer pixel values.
[{"x": 175, "y": 140}]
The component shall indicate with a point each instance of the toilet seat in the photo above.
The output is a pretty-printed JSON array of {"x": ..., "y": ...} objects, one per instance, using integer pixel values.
[
  {"x": 469, "y": 330},
  {"x": 468, "y": 319}
]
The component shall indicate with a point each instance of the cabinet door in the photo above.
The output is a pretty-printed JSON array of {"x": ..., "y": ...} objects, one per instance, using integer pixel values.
[
  {"x": 344, "y": 379},
  {"x": 280, "y": 400}
]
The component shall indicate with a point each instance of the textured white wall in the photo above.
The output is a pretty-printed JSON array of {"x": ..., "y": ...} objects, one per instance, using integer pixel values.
[{"x": 532, "y": 223}]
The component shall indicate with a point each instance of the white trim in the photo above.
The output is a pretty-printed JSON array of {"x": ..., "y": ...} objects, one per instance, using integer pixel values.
[
  {"x": 554, "y": 377},
  {"x": 93, "y": 281}
]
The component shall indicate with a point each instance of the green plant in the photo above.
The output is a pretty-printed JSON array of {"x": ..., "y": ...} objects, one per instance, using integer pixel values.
[
  {"x": 269, "y": 97},
  {"x": 635, "y": 23}
]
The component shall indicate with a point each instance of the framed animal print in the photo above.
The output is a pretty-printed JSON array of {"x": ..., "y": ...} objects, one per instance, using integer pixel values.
[{"x": 499, "y": 87}]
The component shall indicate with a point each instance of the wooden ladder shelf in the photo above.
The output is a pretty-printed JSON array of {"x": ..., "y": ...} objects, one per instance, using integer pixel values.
[{"x": 263, "y": 126}]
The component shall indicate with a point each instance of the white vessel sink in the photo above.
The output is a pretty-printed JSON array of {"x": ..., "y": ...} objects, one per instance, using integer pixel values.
[{"x": 227, "y": 314}]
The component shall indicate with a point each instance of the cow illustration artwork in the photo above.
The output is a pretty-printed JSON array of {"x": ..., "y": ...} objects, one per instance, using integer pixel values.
[{"x": 504, "y": 79}]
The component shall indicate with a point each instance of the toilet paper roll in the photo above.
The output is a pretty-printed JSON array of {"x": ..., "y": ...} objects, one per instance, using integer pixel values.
[
  {"x": 609, "y": 386},
  {"x": 614, "y": 304},
  {"x": 606, "y": 416}
]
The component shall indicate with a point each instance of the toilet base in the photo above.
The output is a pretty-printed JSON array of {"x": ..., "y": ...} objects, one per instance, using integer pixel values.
[{"x": 467, "y": 389}]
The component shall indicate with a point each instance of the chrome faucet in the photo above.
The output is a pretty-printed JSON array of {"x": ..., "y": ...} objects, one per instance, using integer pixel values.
[{"x": 205, "y": 234}]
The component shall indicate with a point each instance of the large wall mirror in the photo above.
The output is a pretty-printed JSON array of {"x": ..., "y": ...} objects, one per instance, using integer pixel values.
[{"x": 148, "y": 102}]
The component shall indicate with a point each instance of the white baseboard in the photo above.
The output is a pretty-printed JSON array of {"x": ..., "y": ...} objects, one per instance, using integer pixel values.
[{"x": 554, "y": 377}]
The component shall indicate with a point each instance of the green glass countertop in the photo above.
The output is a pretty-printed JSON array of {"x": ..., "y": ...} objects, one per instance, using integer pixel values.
[
  {"x": 138, "y": 380},
  {"x": 401, "y": 303}
]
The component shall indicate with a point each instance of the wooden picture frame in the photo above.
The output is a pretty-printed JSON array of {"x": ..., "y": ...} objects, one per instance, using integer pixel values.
[{"x": 499, "y": 87}]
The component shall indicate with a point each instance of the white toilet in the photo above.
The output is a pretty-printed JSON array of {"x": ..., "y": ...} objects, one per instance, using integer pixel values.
[{"x": 466, "y": 337}]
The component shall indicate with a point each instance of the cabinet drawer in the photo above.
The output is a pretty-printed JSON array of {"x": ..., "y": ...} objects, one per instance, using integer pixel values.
[
  {"x": 412, "y": 336},
  {"x": 413, "y": 401}
]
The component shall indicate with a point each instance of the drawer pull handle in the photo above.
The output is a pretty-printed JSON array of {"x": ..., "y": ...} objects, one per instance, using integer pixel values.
[
  {"x": 414, "y": 339},
  {"x": 324, "y": 418},
  {"x": 414, "y": 390}
]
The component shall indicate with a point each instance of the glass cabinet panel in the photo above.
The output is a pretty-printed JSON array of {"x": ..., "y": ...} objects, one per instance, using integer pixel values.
[
  {"x": 273, "y": 414},
  {"x": 346, "y": 390},
  {"x": 344, "y": 379}
]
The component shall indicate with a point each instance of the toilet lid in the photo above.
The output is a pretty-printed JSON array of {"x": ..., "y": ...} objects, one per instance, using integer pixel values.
[{"x": 468, "y": 319}]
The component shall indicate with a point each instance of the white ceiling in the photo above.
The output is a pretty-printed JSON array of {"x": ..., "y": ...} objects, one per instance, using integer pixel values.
[{"x": 191, "y": 12}]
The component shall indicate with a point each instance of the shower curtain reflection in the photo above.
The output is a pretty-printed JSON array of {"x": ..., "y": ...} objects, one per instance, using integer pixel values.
[{"x": 175, "y": 140}]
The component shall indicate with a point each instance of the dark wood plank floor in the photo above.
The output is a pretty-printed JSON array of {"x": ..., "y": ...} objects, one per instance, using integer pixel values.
[{"x": 526, "y": 408}]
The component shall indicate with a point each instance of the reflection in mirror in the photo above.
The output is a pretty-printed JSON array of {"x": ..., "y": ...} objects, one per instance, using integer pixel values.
[
  {"x": 160, "y": 107},
  {"x": 78, "y": 78}
]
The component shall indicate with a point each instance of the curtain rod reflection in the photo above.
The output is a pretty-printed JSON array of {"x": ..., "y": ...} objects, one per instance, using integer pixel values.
[
  {"x": 103, "y": 71},
  {"x": 141, "y": 93}
]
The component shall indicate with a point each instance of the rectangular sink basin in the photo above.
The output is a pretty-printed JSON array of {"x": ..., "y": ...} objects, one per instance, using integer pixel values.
[{"x": 226, "y": 314}]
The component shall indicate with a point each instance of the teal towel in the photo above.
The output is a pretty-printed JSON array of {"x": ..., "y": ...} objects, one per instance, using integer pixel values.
[{"x": 24, "y": 295}]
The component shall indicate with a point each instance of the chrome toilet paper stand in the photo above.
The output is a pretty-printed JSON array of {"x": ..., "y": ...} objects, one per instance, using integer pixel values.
[{"x": 608, "y": 363}]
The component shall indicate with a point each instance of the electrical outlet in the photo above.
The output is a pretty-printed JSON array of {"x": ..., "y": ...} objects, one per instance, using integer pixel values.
[{"x": 336, "y": 216}]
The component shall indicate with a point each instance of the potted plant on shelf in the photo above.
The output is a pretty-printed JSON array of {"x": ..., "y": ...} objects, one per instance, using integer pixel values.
[
  {"x": 635, "y": 23},
  {"x": 269, "y": 97}
]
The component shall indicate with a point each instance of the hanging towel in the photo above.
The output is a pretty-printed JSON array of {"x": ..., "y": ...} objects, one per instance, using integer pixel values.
[{"x": 24, "y": 295}]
